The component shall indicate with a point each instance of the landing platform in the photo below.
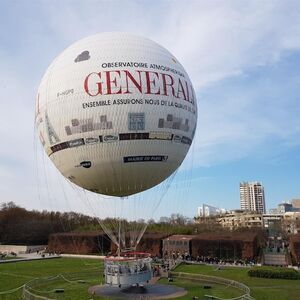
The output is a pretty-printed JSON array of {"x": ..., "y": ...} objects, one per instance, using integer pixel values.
[{"x": 150, "y": 291}]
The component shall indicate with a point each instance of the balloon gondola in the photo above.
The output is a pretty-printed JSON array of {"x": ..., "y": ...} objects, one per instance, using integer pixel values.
[{"x": 128, "y": 269}]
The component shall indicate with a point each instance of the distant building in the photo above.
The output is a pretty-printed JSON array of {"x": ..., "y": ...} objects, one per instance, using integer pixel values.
[
  {"x": 296, "y": 203},
  {"x": 233, "y": 220},
  {"x": 272, "y": 220},
  {"x": 291, "y": 222},
  {"x": 207, "y": 211},
  {"x": 177, "y": 245},
  {"x": 241, "y": 219},
  {"x": 284, "y": 207},
  {"x": 225, "y": 246},
  {"x": 252, "y": 197},
  {"x": 288, "y": 206},
  {"x": 212, "y": 245}
]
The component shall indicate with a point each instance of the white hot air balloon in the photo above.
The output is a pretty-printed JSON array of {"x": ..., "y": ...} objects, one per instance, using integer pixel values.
[{"x": 116, "y": 113}]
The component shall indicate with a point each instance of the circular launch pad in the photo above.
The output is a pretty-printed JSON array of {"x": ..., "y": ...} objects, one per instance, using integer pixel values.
[{"x": 150, "y": 291}]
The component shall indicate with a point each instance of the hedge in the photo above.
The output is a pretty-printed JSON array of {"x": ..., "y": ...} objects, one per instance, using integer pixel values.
[{"x": 274, "y": 274}]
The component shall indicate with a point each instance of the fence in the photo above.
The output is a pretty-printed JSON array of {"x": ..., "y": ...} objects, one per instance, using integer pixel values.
[
  {"x": 44, "y": 288},
  {"x": 219, "y": 280}
]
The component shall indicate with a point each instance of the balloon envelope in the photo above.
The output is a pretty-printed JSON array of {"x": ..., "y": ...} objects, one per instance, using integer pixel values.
[{"x": 116, "y": 113}]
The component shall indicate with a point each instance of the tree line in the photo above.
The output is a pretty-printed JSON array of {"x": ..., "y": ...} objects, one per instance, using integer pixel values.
[{"x": 21, "y": 226}]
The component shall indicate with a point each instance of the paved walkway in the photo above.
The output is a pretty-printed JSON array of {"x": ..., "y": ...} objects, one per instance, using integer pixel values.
[
  {"x": 28, "y": 257},
  {"x": 157, "y": 292},
  {"x": 84, "y": 256}
]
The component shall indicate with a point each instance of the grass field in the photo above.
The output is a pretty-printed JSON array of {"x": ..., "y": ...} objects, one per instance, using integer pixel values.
[
  {"x": 196, "y": 289},
  {"x": 261, "y": 289},
  {"x": 14, "y": 275}
]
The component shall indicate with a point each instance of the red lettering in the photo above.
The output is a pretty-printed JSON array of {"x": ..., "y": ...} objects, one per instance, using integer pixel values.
[
  {"x": 99, "y": 85},
  {"x": 181, "y": 90},
  {"x": 167, "y": 84},
  {"x": 144, "y": 82},
  {"x": 109, "y": 81},
  {"x": 151, "y": 83},
  {"x": 138, "y": 85}
]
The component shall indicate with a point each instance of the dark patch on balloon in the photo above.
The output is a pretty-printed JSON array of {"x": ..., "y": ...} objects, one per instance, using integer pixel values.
[
  {"x": 134, "y": 136},
  {"x": 85, "y": 55},
  {"x": 76, "y": 143},
  {"x": 177, "y": 138},
  {"x": 186, "y": 140},
  {"x": 86, "y": 164},
  {"x": 145, "y": 158},
  {"x": 110, "y": 138}
]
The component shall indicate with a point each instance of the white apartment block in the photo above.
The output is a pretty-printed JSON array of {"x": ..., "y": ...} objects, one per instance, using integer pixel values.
[
  {"x": 207, "y": 211},
  {"x": 237, "y": 219},
  {"x": 252, "y": 197}
]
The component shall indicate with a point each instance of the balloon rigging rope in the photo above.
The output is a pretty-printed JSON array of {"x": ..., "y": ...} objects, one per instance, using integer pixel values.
[{"x": 136, "y": 228}]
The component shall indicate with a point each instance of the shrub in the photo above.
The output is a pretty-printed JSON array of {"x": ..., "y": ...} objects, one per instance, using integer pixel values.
[{"x": 274, "y": 273}]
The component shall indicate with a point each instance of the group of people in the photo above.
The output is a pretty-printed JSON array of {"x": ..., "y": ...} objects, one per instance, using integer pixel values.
[
  {"x": 224, "y": 261},
  {"x": 5, "y": 254},
  {"x": 209, "y": 260}
]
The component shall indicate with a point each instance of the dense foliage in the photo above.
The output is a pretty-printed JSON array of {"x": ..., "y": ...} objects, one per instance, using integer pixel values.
[
  {"x": 21, "y": 226},
  {"x": 278, "y": 273}
]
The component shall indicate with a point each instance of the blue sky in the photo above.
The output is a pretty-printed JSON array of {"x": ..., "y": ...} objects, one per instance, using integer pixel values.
[{"x": 243, "y": 59}]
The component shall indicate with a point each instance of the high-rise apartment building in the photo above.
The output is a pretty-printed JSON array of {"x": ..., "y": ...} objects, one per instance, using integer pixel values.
[{"x": 252, "y": 196}]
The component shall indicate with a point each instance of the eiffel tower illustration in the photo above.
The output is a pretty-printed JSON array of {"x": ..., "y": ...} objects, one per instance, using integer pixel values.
[{"x": 52, "y": 136}]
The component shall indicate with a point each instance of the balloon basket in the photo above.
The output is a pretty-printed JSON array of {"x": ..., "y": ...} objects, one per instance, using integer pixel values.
[{"x": 130, "y": 269}]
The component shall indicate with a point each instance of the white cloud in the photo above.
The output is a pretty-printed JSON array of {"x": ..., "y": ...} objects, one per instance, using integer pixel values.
[
  {"x": 218, "y": 39},
  {"x": 213, "y": 40}
]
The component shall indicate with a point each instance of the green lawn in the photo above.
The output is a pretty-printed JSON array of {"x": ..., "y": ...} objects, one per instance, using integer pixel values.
[
  {"x": 261, "y": 289},
  {"x": 196, "y": 288},
  {"x": 13, "y": 275}
]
